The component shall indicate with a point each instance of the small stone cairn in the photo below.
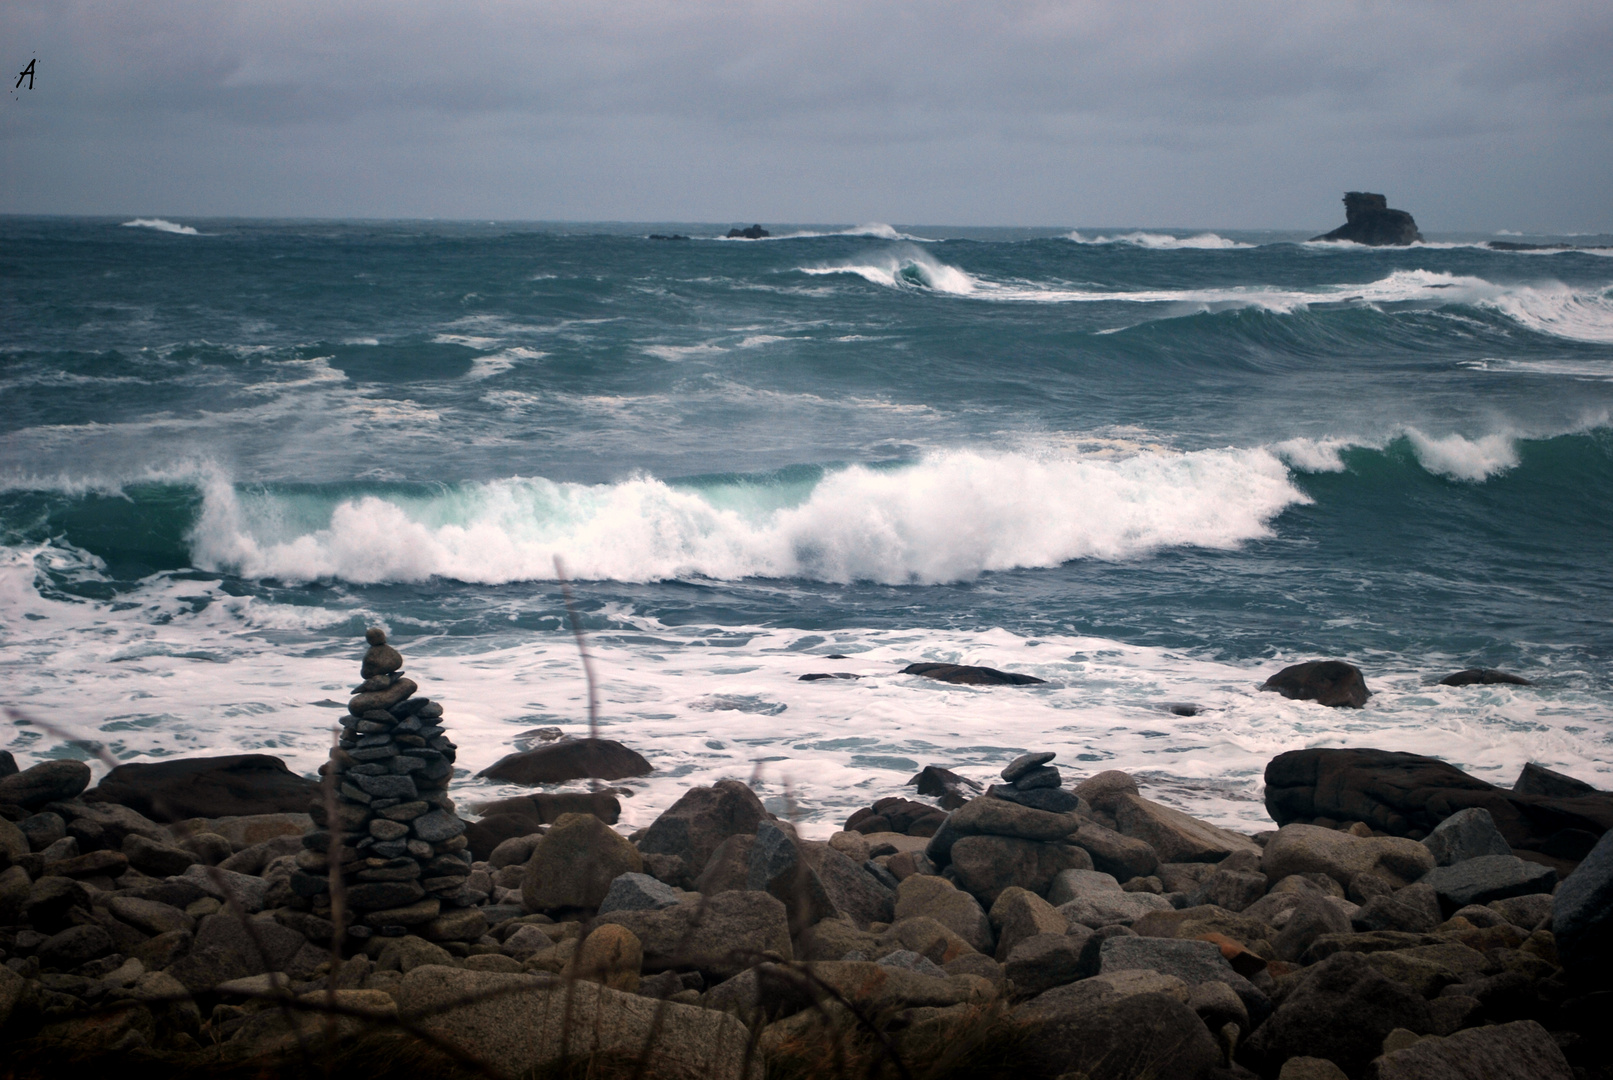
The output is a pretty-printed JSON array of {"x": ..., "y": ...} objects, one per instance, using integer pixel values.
[
  {"x": 1032, "y": 782},
  {"x": 404, "y": 856}
]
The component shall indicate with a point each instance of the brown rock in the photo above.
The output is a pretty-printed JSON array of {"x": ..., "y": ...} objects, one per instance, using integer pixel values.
[
  {"x": 574, "y": 864},
  {"x": 568, "y": 759},
  {"x": 211, "y": 787},
  {"x": 611, "y": 956}
]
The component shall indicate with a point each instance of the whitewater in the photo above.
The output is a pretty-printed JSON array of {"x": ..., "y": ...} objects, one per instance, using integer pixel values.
[{"x": 1149, "y": 466}]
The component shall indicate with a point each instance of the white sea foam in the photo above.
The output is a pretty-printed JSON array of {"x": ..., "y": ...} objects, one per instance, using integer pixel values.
[
  {"x": 1207, "y": 241},
  {"x": 1313, "y": 455},
  {"x": 485, "y": 367},
  {"x": 887, "y": 525},
  {"x": 188, "y": 669},
  {"x": 1461, "y": 458},
  {"x": 1584, "y": 314},
  {"x": 161, "y": 226}
]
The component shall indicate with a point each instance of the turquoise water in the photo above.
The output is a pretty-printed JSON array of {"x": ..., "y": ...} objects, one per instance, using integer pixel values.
[{"x": 1147, "y": 465}]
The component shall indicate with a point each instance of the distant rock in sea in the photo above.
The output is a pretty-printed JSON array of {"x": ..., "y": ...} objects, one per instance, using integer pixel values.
[
  {"x": 1368, "y": 220},
  {"x": 664, "y": 236},
  {"x": 755, "y": 232}
]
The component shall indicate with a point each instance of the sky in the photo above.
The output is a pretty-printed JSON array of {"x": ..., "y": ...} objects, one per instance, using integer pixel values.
[{"x": 1477, "y": 116}]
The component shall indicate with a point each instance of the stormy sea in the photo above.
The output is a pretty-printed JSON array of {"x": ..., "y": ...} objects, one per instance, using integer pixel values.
[{"x": 1150, "y": 467}]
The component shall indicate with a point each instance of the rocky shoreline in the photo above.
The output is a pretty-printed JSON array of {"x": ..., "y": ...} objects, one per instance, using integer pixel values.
[{"x": 1403, "y": 921}]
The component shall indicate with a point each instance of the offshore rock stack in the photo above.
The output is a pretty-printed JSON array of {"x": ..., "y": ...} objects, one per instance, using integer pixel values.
[{"x": 404, "y": 856}]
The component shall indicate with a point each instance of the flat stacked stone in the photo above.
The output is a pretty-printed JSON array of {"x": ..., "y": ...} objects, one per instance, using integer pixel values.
[
  {"x": 404, "y": 856},
  {"x": 1032, "y": 782}
]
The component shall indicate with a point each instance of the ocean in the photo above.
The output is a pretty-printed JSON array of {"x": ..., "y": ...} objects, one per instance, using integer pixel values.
[{"x": 1151, "y": 467}]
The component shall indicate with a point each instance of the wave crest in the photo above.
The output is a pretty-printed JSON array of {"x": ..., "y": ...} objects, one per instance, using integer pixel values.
[
  {"x": 1206, "y": 241},
  {"x": 950, "y": 517},
  {"x": 161, "y": 225}
]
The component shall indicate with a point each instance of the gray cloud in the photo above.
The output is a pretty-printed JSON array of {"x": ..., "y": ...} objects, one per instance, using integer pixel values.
[{"x": 1480, "y": 116}]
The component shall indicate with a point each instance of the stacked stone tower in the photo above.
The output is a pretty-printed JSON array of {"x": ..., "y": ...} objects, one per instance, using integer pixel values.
[{"x": 403, "y": 854}]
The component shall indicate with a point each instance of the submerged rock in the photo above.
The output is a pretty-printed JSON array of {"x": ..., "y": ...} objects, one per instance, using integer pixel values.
[
  {"x": 1327, "y": 682},
  {"x": 968, "y": 675},
  {"x": 1368, "y": 220},
  {"x": 1483, "y": 677}
]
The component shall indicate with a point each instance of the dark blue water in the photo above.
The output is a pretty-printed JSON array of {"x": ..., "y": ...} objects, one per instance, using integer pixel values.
[{"x": 250, "y": 440}]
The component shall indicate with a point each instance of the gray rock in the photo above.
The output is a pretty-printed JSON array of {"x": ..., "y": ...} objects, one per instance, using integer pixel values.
[
  {"x": 719, "y": 935},
  {"x": 1115, "y": 853},
  {"x": 1486, "y": 878},
  {"x": 1312, "y": 916},
  {"x": 1025, "y": 763},
  {"x": 1301, "y": 849},
  {"x": 1582, "y": 914},
  {"x": 1019, "y": 914},
  {"x": 855, "y": 892},
  {"x": 1043, "y": 776},
  {"x": 385, "y": 787},
  {"x": 1174, "y": 836},
  {"x": 49, "y": 781},
  {"x": 988, "y": 816},
  {"x": 1414, "y": 909},
  {"x": 1110, "y": 908},
  {"x": 1053, "y": 800},
  {"x": 1043, "y": 961},
  {"x": 150, "y": 916},
  {"x": 157, "y": 859},
  {"x": 42, "y": 830},
  {"x": 1152, "y": 1035},
  {"x": 437, "y": 826},
  {"x": 222, "y": 884},
  {"x": 939, "y": 899},
  {"x": 1231, "y": 889},
  {"x": 637, "y": 892},
  {"x": 986, "y": 865},
  {"x": 727, "y": 869},
  {"x": 1193, "y": 962},
  {"x": 1103, "y": 789},
  {"x": 1522, "y": 1050},
  {"x": 1466, "y": 834},
  {"x": 76, "y": 945},
  {"x": 224, "y": 949},
  {"x": 574, "y": 864},
  {"x": 778, "y": 867},
  {"x": 908, "y": 960},
  {"x": 1075, "y": 884},
  {"x": 701, "y": 819},
  {"x": 519, "y": 1025},
  {"x": 513, "y": 852},
  {"x": 1528, "y": 911},
  {"x": 1340, "y": 1009}
]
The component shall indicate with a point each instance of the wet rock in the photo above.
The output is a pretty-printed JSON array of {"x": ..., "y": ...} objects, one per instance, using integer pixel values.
[
  {"x": 1539, "y": 780},
  {"x": 896, "y": 815},
  {"x": 1466, "y": 834},
  {"x": 1408, "y": 795},
  {"x": 1483, "y": 677},
  {"x": 1486, "y": 878},
  {"x": 751, "y": 232},
  {"x": 47, "y": 782},
  {"x": 1369, "y": 220},
  {"x": 209, "y": 787},
  {"x": 568, "y": 759},
  {"x": 574, "y": 864},
  {"x": 967, "y": 675},
  {"x": 701, "y": 819},
  {"x": 1341, "y": 1009},
  {"x": 1326, "y": 682},
  {"x": 950, "y": 789}
]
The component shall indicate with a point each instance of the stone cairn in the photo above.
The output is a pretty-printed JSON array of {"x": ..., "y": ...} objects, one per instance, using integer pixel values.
[
  {"x": 1032, "y": 782},
  {"x": 404, "y": 856}
]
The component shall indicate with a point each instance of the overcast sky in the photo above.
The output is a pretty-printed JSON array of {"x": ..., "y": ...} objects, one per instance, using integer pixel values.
[{"x": 1474, "y": 116}]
